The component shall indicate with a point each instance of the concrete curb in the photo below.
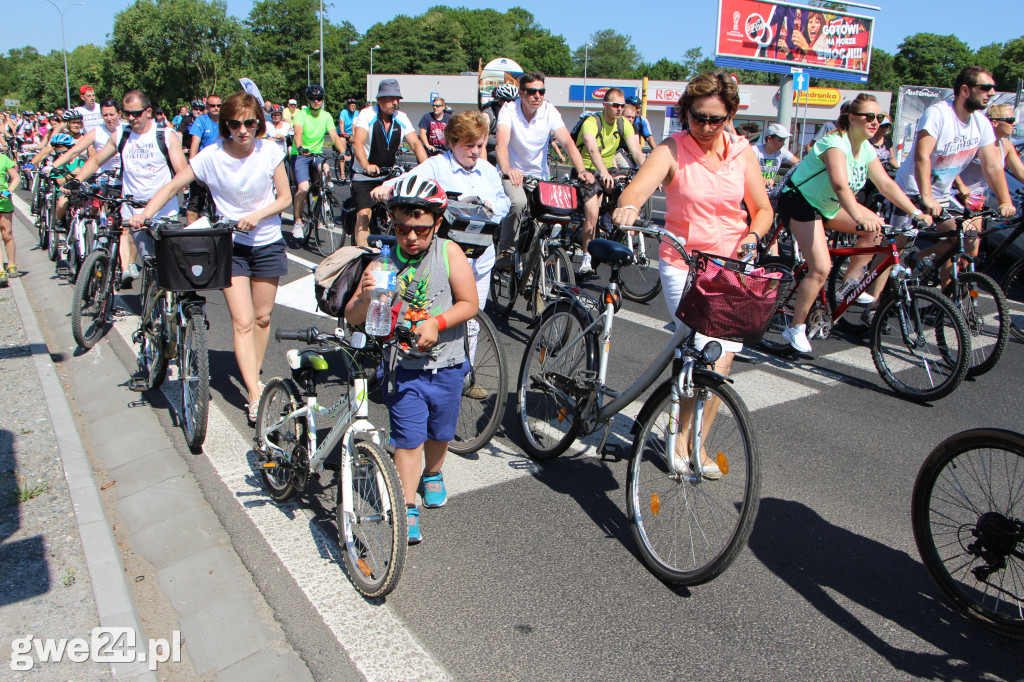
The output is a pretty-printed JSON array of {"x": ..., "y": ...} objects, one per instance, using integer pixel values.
[{"x": 114, "y": 603}]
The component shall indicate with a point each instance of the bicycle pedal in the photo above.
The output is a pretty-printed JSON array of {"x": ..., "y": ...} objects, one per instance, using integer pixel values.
[
  {"x": 586, "y": 379},
  {"x": 612, "y": 452},
  {"x": 138, "y": 382},
  {"x": 63, "y": 268}
]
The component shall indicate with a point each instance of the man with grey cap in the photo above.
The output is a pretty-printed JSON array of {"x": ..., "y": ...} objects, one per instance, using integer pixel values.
[
  {"x": 375, "y": 145},
  {"x": 771, "y": 153}
]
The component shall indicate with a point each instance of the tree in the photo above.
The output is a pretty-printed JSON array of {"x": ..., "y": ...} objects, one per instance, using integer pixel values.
[
  {"x": 883, "y": 75},
  {"x": 663, "y": 70},
  {"x": 1010, "y": 66},
  {"x": 987, "y": 56},
  {"x": 930, "y": 59},
  {"x": 613, "y": 55}
]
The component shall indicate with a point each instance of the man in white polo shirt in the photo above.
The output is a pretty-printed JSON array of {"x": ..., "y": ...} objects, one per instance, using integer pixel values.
[{"x": 524, "y": 128}]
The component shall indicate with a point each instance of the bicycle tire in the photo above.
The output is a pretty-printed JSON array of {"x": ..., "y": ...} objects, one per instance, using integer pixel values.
[
  {"x": 772, "y": 340},
  {"x": 557, "y": 268},
  {"x": 484, "y": 391},
  {"x": 986, "y": 314},
  {"x": 641, "y": 281},
  {"x": 504, "y": 290},
  {"x": 375, "y": 537},
  {"x": 551, "y": 348},
  {"x": 968, "y": 490},
  {"x": 1013, "y": 286},
  {"x": 151, "y": 349},
  {"x": 330, "y": 230},
  {"x": 279, "y": 398},
  {"x": 194, "y": 379},
  {"x": 939, "y": 347},
  {"x": 851, "y": 319},
  {"x": 689, "y": 529},
  {"x": 52, "y": 236},
  {"x": 92, "y": 300}
]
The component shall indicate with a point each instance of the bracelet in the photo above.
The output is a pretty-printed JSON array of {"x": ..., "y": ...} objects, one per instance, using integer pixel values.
[
  {"x": 442, "y": 323},
  {"x": 630, "y": 207},
  {"x": 751, "y": 232},
  {"x": 916, "y": 213}
]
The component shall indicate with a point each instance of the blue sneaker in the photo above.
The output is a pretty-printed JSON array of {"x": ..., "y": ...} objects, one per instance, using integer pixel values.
[
  {"x": 412, "y": 515},
  {"x": 433, "y": 491}
]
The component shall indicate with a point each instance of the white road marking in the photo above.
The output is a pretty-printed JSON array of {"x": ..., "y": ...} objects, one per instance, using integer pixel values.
[
  {"x": 299, "y": 295},
  {"x": 760, "y": 389},
  {"x": 301, "y": 261}
]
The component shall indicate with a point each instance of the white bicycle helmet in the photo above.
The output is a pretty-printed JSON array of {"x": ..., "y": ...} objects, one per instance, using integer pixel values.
[
  {"x": 506, "y": 92},
  {"x": 421, "y": 192}
]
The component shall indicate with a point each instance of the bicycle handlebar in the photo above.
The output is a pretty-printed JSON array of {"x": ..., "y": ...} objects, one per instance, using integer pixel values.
[{"x": 312, "y": 335}]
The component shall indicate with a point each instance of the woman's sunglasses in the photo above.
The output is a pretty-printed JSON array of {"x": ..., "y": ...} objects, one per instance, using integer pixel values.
[
  {"x": 711, "y": 120},
  {"x": 870, "y": 118},
  {"x": 1011, "y": 121},
  {"x": 249, "y": 123},
  {"x": 403, "y": 230}
]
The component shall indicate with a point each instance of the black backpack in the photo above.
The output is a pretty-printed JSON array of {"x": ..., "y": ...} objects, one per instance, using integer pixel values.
[
  {"x": 578, "y": 138},
  {"x": 337, "y": 276}
]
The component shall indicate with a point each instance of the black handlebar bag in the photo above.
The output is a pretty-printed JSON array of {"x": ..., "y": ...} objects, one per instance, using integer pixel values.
[{"x": 193, "y": 259}]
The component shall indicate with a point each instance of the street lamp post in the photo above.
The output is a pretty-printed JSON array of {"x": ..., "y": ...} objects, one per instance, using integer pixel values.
[
  {"x": 375, "y": 47},
  {"x": 307, "y": 64},
  {"x": 586, "y": 58},
  {"x": 321, "y": 43},
  {"x": 63, "y": 48}
]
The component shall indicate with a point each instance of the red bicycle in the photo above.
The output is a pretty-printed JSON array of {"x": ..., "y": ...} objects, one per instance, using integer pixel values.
[{"x": 919, "y": 342}]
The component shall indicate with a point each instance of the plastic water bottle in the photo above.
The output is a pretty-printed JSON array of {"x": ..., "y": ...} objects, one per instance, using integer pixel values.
[{"x": 378, "y": 317}]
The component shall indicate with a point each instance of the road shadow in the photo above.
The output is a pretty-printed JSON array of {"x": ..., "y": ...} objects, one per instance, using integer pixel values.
[
  {"x": 829, "y": 565},
  {"x": 24, "y": 569}
]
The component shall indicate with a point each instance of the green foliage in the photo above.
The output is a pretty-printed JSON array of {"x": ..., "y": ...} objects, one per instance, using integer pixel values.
[
  {"x": 932, "y": 60},
  {"x": 1010, "y": 66},
  {"x": 613, "y": 55},
  {"x": 987, "y": 56}
]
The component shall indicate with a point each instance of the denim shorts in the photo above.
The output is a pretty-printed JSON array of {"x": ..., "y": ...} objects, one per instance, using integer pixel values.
[
  {"x": 259, "y": 261},
  {"x": 425, "y": 405},
  {"x": 305, "y": 166}
]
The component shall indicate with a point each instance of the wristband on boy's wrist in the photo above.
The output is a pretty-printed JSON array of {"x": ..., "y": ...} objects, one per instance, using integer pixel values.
[{"x": 442, "y": 323}]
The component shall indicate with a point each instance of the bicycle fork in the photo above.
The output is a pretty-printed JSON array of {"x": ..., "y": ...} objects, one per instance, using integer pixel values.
[{"x": 689, "y": 468}]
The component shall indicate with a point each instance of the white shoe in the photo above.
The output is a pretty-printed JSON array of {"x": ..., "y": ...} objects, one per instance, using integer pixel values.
[
  {"x": 865, "y": 299},
  {"x": 586, "y": 267},
  {"x": 797, "y": 337},
  {"x": 297, "y": 231}
]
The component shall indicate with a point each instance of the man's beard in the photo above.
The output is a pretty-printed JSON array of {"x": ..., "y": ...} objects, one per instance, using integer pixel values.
[{"x": 974, "y": 103}]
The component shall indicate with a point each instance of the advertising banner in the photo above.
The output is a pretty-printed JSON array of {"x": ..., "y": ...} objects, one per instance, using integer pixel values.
[
  {"x": 495, "y": 73},
  {"x": 818, "y": 97},
  {"x": 595, "y": 93},
  {"x": 785, "y": 35}
]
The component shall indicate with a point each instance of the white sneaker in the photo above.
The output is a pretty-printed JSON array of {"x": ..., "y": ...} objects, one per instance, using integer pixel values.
[
  {"x": 797, "y": 337},
  {"x": 586, "y": 267},
  {"x": 297, "y": 231},
  {"x": 865, "y": 299}
]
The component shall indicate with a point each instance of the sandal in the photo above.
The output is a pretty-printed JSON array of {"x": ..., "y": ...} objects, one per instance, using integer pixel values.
[{"x": 254, "y": 406}]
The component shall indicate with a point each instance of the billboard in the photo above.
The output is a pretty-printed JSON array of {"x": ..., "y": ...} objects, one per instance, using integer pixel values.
[
  {"x": 778, "y": 36},
  {"x": 495, "y": 73}
]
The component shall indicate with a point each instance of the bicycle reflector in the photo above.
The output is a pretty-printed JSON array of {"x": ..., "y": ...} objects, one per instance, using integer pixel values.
[
  {"x": 711, "y": 352},
  {"x": 655, "y": 504},
  {"x": 723, "y": 463}
]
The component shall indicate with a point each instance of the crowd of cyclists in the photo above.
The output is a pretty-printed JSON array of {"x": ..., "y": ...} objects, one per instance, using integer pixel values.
[{"x": 250, "y": 161}]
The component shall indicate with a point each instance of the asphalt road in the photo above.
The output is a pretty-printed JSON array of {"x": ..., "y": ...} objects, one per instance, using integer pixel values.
[{"x": 530, "y": 572}]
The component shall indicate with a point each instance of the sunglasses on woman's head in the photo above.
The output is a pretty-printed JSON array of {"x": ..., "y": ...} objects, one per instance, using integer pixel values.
[
  {"x": 403, "y": 230},
  {"x": 869, "y": 117},
  {"x": 703, "y": 119},
  {"x": 249, "y": 123}
]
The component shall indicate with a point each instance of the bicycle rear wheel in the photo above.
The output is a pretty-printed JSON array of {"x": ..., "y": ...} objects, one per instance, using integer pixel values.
[
  {"x": 504, "y": 289},
  {"x": 987, "y": 315},
  {"x": 1013, "y": 287},
  {"x": 279, "y": 399},
  {"x": 92, "y": 300},
  {"x": 689, "y": 529},
  {"x": 851, "y": 320},
  {"x": 772, "y": 340},
  {"x": 555, "y": 356},
  {"x": 194, "y": 380},
  {"x": 557, "y": 268},
  {"x": 151, "y": 349},
  {"x": 330, "y": 229},
  {"x": 641, "y": 281},
  {"x": 919, "y": 344},
  {"x": 968, "y": 518},
  {"x": 485, "y": 389},
  {"x": 373, "y": 534}
]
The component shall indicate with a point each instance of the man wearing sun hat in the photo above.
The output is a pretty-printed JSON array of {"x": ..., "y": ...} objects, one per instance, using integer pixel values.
[
  {"x": 90, "y": 111},
  {"x": 771, "y": 153},
  {"x": 289, "y": 111}
]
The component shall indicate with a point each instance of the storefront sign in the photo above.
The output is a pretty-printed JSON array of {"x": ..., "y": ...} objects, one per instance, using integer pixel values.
[
  {"x": 595, "y": 93},
  {"x": 793, "y": 35},
  {"x": 818, "y": 97},
  {"x": 672, "y": 95}
]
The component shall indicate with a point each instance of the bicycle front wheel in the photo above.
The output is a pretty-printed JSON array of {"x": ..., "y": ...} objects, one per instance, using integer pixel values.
[
  {"x": 504, "y": 289},
  {"x": 151, "y": 351},
  {"x": 330, "y": 230},
  {"x": 194, "y": 379},
  {"x": 689, "y": 528},
  {"x": 372, "y": 527},
  {"x": 919, "y": 344},
  {"x": 558, "y": 351},
  {"x": 782, "y": 319},
  {"x": 968, "y": 518},
  {"x": 641, "y": 281},
  {"x": 92, "y": 300},
  {"x": 557, "y": 267},
  {"x": 484, "y": 390},
  {"x": 987, "y": 316},
  {"x": 278, "y": 401}
]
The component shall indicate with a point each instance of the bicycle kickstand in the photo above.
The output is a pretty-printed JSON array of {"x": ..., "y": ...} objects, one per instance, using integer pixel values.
[{"x": 610, "y": 452}]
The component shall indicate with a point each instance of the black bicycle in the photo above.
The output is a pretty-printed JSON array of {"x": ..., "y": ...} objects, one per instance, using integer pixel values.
[
  {"x": 968, "y": 518},
  {"x": 322, "y": 212}
]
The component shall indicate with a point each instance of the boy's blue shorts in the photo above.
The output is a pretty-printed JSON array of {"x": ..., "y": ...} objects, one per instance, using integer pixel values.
[{"x": 425, "y": 405}]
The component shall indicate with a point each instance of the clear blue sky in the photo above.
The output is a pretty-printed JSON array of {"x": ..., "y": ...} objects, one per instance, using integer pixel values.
[{"x": 657, "y": 29}]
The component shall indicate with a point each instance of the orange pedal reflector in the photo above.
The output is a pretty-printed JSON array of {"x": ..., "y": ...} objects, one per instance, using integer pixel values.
[
  {"x": 974, "y": 293},
  {"x": 561, "y": 415},
  {"x": 655, "y": 503},
  {"x": 364, "y": 567},
  {"x": 543, "y": 352},
  {"x": 723, "y": 463},
  {"x": 269, "y": 465}
]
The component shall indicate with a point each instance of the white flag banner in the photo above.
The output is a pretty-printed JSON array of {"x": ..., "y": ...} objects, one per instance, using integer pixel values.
[{"x": 250, "y": 87}]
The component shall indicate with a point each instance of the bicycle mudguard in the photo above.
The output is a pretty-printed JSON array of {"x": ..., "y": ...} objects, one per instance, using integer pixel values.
[{"x": 655, "y": 397}]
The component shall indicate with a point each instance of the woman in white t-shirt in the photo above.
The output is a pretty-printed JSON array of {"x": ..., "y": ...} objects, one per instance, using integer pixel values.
[{"x": 247, "y": 179}]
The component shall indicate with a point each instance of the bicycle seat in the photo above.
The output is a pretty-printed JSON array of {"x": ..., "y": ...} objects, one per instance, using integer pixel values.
[
  {"x": 379, "y": 240},
  {"x": 615, "y": 254}
]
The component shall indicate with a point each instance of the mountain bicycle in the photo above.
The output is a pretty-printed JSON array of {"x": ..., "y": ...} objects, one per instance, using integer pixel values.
[
  {"x": 919, "y": 342},
  {"x": 322, "y": 212},
  {"x": 539, "y": 259},
  {"x": 688, "y": 522},
  {"x": 372, "y": 525},
  {"x": 173, "y": 322},
  {"x": 968, "y": 519}
]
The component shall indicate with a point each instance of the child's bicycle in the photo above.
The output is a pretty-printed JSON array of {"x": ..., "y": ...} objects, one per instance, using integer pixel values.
[
  {"x": 968, "y": 518},
  {"x": 372, "y": 526}
]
